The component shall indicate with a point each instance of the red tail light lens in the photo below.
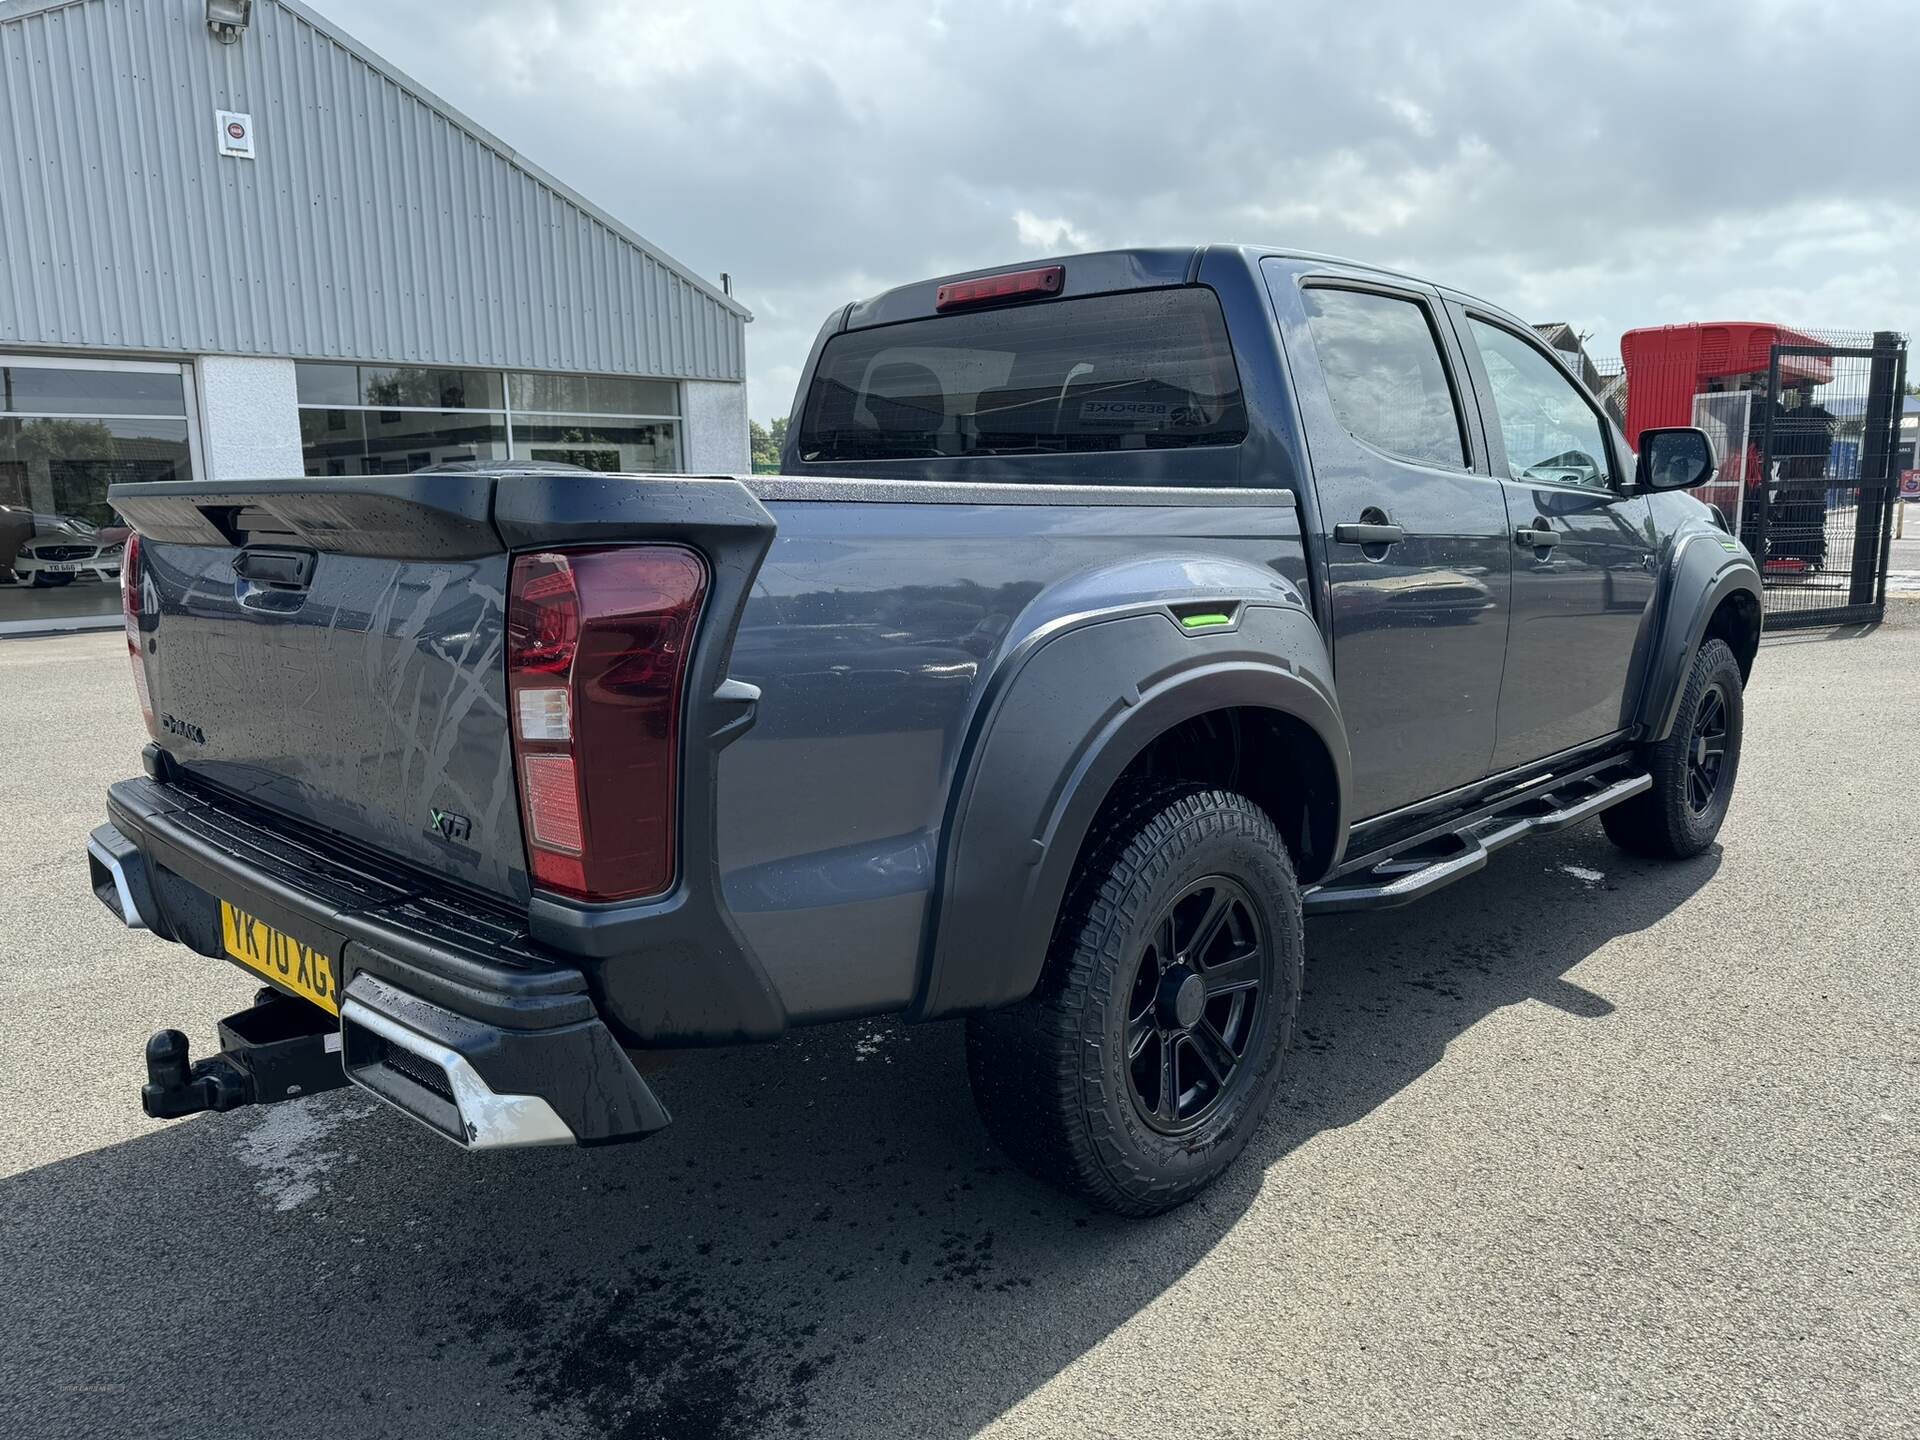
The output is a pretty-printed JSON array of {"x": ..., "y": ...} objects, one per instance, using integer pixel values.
[
  {"x": 597, "y": 649},
  {"x": 130, "y": 611},
  {"x": 1014, "y": 285}
]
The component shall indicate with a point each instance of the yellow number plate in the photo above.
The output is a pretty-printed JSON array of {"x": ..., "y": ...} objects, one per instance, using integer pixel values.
[{"x": 280, "y": 958}]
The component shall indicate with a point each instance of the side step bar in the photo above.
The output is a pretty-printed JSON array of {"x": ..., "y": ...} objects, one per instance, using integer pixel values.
[{"x": 1428, "y": 865}]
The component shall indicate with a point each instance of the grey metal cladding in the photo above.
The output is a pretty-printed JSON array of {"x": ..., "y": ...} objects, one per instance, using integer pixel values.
[{"x": 376, "y": 223}]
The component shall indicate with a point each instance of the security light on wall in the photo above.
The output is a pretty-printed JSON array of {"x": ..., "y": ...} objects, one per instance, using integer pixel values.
[{"x": 228, "y": 18}]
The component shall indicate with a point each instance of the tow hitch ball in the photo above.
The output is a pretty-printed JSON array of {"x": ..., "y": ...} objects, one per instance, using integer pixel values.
[
  {"x": 280, "y": 1049},
  {"x": 174, "y": 1089}
]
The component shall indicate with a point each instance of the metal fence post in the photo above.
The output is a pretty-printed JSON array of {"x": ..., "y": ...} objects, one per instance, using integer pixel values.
[
  {"x": 1872, "y": 517},
  {"x": 1764, "y": 495},
  {"x": 1896, "y": 509}
]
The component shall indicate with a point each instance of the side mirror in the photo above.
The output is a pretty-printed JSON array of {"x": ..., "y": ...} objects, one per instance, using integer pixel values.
[{"x": 1675, "y": 458}]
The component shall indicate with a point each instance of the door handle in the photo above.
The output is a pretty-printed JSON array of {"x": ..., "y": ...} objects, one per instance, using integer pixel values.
[
  {"x": 1542, "y": 539},
  {"x": 1361, "y": 533}
]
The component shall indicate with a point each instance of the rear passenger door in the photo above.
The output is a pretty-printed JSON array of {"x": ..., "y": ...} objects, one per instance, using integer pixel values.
[
  {"x": 1583, "y": 553},
  {"x": 1414, "y": 530}
]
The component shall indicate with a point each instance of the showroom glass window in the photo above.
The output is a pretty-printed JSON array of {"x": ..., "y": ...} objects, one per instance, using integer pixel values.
[
  {"x": 68, "y": 430},
  {"x": 67, "y": 434},
  {"x": 393, "y": 419}
]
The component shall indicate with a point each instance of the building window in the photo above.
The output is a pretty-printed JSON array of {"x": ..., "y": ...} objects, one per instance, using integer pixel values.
[
  {"x": 67, "y": 431},
  {"x": 391, "y": 419},
  {"x": 596, "y": 444}
]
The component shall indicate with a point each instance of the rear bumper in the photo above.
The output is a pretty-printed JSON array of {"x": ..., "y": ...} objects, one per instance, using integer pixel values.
[{"x": 446, "y": 1012}]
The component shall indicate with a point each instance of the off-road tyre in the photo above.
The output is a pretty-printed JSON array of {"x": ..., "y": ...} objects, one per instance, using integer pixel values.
[
  {"x": 1051, "y": 1075},
  {"x": 1668, "y": 822}
]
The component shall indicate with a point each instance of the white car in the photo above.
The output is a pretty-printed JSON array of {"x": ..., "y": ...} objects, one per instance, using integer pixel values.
[{"x": 60, "y": 559}]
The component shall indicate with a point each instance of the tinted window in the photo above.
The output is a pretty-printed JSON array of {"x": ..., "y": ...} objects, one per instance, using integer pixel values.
[
  {"x": 393, "y": 419},
  {"x": 1550, "y": 431},
  {"x": 595, "y": 443},
  {"x": 1149, "y": 369},
  {"x": 423, "y": 385},
  {"x": 65, "y": 465},
  {"x": 31, "y": 390},
  {"x": 1384, "y": 374},
  {"x": 319, "y": 382},
  {"x": 396, "y": 442},
  {"x": 594, "y": 394}
]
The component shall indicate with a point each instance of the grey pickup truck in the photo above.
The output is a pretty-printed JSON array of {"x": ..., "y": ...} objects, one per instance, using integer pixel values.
[{"x": 1110, "y": 617}]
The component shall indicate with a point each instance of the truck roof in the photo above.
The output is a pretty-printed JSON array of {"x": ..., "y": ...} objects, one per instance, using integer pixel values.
[{"x": 1099, "y": 272}]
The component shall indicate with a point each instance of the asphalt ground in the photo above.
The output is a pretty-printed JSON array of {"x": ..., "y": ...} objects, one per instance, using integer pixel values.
[{"x": 1582, "y": 1146}]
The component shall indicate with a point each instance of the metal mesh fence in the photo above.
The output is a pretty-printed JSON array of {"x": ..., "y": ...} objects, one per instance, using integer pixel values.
[{"x": 1805, "y": 429}]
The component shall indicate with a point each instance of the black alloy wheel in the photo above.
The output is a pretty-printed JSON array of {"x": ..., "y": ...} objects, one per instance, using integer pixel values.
[
  {"x": 1693, "y": 769},
  {"x": 1707, "y": 749},
  {"x": 1142, "y": 1063},
  {"x": 1195, "y": 1004}
]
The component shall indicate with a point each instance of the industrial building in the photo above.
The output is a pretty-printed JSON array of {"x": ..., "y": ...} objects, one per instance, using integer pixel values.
[{"x": 240, "y": 245}]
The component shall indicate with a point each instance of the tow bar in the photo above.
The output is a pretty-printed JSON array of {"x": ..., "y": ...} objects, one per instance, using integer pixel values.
[{"x": 280, "y": 1049}]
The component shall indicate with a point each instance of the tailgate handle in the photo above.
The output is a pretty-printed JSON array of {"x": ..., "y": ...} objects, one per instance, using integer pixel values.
[{"x": 288, "y": 568}]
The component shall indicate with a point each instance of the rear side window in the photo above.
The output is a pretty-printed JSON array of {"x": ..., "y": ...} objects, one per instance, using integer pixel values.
[
  {"x": 1384, "y": 374},
  {"x": 1142, "y": 370}
]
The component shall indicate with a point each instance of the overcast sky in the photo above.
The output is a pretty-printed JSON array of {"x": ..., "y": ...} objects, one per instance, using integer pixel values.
[{"x": 1610, "y": 164}]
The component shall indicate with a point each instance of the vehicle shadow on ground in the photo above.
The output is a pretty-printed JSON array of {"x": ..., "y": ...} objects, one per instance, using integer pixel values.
[{"x": 824, "y": 1241}]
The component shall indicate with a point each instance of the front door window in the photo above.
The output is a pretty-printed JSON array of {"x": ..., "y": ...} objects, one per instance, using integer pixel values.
[{"x": 1550, "y": 431}]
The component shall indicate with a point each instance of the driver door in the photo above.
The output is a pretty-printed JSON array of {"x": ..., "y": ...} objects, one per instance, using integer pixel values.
[{"x": 1584, "y": 557}]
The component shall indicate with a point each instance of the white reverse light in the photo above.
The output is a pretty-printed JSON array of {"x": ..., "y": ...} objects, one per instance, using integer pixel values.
[{"x": 546, "y": 714}]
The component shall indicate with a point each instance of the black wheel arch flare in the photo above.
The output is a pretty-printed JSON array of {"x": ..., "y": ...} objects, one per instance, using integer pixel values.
[
  {"x": 1702, "y": 576},
  {"x": 1064, "y": 718}
]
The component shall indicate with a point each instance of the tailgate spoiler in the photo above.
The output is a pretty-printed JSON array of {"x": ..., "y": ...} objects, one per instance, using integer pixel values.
[
  {"x": 393, "y": 517},
  {"x": 448, "y": 517}
]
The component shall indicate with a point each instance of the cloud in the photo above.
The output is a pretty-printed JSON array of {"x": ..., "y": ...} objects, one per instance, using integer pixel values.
[
  {"x": 1608, "y": 162},
  {"x": 1411, "y": 113},
  {"x": 1038, "y": 234}
]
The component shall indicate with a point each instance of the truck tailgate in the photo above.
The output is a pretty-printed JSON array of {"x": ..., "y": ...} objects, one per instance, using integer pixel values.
[{"x": 347, "y": 671}]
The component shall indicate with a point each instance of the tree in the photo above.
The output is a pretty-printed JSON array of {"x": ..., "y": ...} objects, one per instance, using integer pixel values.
[
  {"x": 765, "y": 442},
  {"x": 64, "y": 440}
]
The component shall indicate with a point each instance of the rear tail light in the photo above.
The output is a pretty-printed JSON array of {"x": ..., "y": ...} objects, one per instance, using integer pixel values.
[
  {"x": 130, "y": 612},
  {"x": 1014, "y": 285},
  {"x": 597, "y": 650}
]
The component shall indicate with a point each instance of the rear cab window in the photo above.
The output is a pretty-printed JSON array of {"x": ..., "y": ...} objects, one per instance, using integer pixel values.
[{"x": 1136, "y": 370}]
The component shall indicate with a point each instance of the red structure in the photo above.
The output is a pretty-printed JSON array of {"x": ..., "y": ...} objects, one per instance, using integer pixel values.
[
  {"x": 1667, "y": 365},
  {"x": 1670, "y": 365}
]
